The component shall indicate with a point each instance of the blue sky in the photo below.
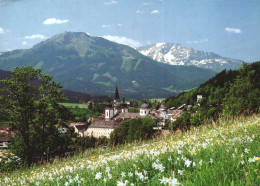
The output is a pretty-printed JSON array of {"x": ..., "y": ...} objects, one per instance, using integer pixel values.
[{"x": 229, "y": 28}]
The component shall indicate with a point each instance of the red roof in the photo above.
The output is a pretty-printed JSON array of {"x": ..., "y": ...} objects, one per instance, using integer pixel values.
[
  {"x": 77, "y": 124},
  {"x": 4, "y": 128}
]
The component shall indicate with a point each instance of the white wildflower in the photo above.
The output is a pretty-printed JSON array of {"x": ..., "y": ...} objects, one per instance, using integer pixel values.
[
  {"x": 188, "y": 163},
  {"x": 180, "y": 172},
  {"x": 130, "y": 174},
  {"x": 98, "y": 176},
  {"x": 123, "y": 174}
]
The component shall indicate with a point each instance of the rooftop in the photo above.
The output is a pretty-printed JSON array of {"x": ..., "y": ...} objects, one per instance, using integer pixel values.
[{"x": 104, "y": 124}]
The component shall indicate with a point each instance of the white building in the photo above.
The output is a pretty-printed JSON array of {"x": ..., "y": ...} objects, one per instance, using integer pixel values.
[
  {"x": 101, "y": 128},
  {"x": 117, "y": 107},
  {"x": 199, "y": 98},
  {"x": 144, "y": 109}
]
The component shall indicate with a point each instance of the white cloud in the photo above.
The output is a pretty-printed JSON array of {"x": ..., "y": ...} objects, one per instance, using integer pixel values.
[
  {"x": 155, "y": 12},
  {"x": 2, "y": 31},
  {"x": 51, "y": 21},
  {"x": 24, "y": 43},
  {"x": 35, "y": 36},
  {"x": 119, "y": 25},
  {"x": 233, "y": 30},
  {"x": 110, "y": 2},
  {"x": 198, "y": 41},
  {"x": 139, "y": 11},
  {"x": 105, "y": 26},
  {"x": 123, "y": 40}
]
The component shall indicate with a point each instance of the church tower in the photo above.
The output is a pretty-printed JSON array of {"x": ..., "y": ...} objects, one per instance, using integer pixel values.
[
  {"x": 109, "y": 111},
  {"x": 117, "y": 103}
]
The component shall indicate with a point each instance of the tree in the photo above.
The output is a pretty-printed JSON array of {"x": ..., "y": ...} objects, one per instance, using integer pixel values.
[
  {"x": 35, "y": 114},
  {"x": 244, "y": 93}
]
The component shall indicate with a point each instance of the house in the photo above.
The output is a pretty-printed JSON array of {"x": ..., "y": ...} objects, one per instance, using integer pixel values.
[
  {"x": 5, "y": 130},
  {"x": 79, "y": 128},
  {"x": 5, "y": 137},
  {"x": 175, "y": 114},
  {"x": 199, "y": 98},
  {"x": 117, "y": 111},
  {"x": 100, "y": 128},
  {"x": 90, "y": 102},
  {"x": 4, "y": 141}
]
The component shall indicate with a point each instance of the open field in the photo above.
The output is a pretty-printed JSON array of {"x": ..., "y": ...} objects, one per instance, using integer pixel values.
[
  {"x": 223, "y": 153},
  {"x": 157, "y": 99},
  {"x": 73, "y": 105}
]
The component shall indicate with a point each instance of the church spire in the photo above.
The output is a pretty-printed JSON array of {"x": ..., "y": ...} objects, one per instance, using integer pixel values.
[{"x": 116, "y": 98}]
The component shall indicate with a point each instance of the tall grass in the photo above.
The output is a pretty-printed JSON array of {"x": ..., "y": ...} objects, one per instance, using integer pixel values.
[{"x": 222, "y": 153}]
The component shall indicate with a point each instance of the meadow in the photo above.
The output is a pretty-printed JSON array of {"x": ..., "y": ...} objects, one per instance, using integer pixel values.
[
  {"x": 223, "y": 153},
  {"x": 73, "y": 105}
]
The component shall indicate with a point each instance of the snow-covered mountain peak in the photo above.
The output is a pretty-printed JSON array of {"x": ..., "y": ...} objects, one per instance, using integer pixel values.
[{"x": 176, "y": 54}]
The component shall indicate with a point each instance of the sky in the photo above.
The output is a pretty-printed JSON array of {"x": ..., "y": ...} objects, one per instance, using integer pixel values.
[{"x": 229, "y": 28}]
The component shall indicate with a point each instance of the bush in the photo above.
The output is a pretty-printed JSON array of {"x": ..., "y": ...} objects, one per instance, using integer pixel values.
[
  {"x": 9, "y": 163},
  {"x": 134, "y": 129}
]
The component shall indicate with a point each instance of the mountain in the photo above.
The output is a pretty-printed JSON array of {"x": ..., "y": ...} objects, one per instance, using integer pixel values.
[
  {"x": 95, "y": 66},
  {"x": 175, "y": 54},
  {"x": 72, "y": 96}
]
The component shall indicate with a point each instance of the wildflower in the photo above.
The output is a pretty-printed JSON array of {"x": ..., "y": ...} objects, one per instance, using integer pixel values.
[
  {"x": 109, "y": 175},
  {"x": 6, "y": 179},
  {"x": 192, "y": 152},
  {"x": 258, "y": 159},
  {"x": 173, "y": 182},
  {"x": 123, "y": 174},
  {"x": 200, "y": 162},
  {"x": 130, "y": 174},
  {"x": 252, "y": 159},
  {"x": 180, "y": 172},
  {"x": 187, "y": 163},
  {"x": 242, "y": 162},
  {"x": 98, "y": 176},
  {"x": 121, "y": 183},
  {"x": 107, "y": 169},
  {"x": 164, "y": 180},
  {"x": 158, "y": 166},
  {"x": 211, "y": 160},
  {"x": 246, "y": 150},
  {"x": 170, "y": 158}
]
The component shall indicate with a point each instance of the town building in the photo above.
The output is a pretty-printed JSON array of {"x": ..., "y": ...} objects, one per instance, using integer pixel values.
[
  {"x": 199, "y": 98},
  {"x": 5, "y": 137},
  {"x": 116, "y": 111}
]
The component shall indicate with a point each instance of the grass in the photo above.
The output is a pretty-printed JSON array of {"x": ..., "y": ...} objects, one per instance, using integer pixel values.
[
  {"x": 157, "y": 99},
  {"x": 223, "y": 153},
  {"x": 73, "y": 105}
]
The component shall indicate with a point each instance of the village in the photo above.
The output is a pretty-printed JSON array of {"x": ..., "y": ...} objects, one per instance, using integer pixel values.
[{"x": 115, "y": 112}]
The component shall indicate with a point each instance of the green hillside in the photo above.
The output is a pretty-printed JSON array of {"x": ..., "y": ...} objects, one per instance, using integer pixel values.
[
  {"x": 229, "y": 92},
  {"x": 72, "y": 96},
  {"x": 95, "y": 65},
  {"x": 226, "y": 153}
]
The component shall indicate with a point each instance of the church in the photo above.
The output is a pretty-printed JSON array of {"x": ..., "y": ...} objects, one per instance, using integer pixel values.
[
  {"x": 117, "y": 107},
  {"x": 115, "y": 113}
]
